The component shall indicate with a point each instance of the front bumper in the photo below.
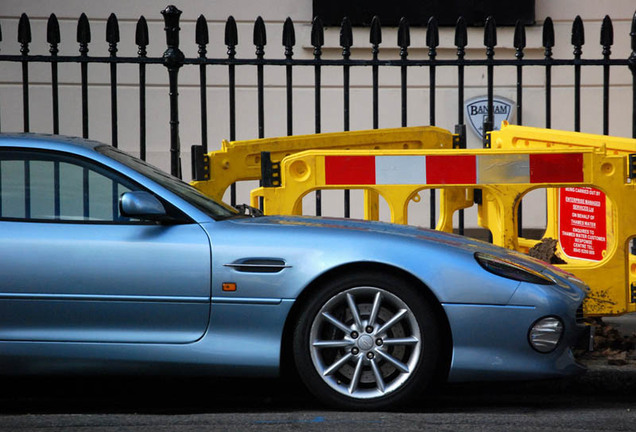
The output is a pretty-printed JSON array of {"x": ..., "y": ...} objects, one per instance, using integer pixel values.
[{"x": 481, "y": 353}]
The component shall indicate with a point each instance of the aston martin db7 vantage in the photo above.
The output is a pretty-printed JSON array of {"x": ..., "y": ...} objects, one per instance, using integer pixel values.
[{"x": 109, "y": 265}]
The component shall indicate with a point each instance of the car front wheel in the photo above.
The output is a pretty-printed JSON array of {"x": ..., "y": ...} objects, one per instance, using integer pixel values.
[{"x": 366, "y": 342}]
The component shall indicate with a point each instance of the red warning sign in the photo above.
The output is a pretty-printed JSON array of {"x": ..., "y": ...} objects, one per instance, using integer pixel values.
[{"x": 582, "y": 223}]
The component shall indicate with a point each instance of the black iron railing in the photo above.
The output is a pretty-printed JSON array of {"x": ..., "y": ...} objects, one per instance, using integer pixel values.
[{"x": 174, "y": 60}]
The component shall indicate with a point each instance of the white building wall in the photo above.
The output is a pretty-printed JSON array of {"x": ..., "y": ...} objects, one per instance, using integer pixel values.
[{"x": 274, "y": 13}]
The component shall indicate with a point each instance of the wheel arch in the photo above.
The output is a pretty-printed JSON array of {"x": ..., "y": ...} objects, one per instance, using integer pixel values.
[{"x": 287, "y": 361}]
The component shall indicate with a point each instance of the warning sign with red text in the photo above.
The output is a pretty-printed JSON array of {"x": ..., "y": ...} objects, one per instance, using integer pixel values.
[{"x": 582, "y": 223}]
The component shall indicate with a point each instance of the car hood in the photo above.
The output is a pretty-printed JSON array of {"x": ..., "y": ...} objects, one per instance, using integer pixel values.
[
  {"x": 314, "y": 246},
  {"x": 336, "y": 226}
]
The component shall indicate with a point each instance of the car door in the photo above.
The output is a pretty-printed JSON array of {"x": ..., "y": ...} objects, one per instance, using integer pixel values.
[{"x": 72, "y": 268}]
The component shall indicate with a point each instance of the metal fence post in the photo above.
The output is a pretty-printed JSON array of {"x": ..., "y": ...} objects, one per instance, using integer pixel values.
[
  {"x": 632, "y": 67},
  {"x": 461, "y": 40},
  {"x": 432, "y": 42},
  {"x": 346, "y": 42},
  {"x": 375, "y": 38},
  {"x": 519, "y": 44},
  {"x": 578, "y": 40},
  {"x": 317, "y": 41},
  {"x": 173, "y": 59},
  {"x": 112, "y": 37},
  {"x": 289, "y": 40},
  {"x": 490, "y": 41},
  {"x": 84, "y": 38},
  {"x": 24, "y": 37},
  {"x": 607, "y": 40},
  {"x": 142, "y": 40},
  {"x": 231, "y": 40},
  {"x": 202, "y": 38},
  {"x": 53, "y": 38},
  {"x": 260, "y": 40},
  {"x": 548, "y": 43},
  {"x": 0, "y": 117},
  {"x": 404, "y": 41}
]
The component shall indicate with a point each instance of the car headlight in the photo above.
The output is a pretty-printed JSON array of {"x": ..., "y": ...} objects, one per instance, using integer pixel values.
[
  {"x": 511, "y": 269},
  {"x": 545, "y": 334}
]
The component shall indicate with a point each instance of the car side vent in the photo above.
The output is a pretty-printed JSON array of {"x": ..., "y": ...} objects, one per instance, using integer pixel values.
[{"x": 259, "y": 265}]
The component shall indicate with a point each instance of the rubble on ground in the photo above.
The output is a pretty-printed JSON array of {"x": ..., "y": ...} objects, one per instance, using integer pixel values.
[
  {"x": 612, "y": 345},
  {"x": 545, "y": 250}
]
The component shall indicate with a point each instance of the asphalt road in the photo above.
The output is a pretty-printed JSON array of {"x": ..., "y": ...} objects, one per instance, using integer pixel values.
[{"x": 603, "y": 400}]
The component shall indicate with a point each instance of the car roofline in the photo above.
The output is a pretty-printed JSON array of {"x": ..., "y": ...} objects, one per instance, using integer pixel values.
[{"x": 50, "y": 139}]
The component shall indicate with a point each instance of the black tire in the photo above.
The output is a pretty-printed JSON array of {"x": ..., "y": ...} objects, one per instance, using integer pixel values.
[{"x": 365, "y": 362}]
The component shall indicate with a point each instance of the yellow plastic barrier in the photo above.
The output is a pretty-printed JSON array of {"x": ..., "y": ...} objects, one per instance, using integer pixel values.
[
  {"x": 503, "y": 176},
  {"x": 596, "y": 248},
  {"x": 241, "y": 160},
  {"x": 523, "y": 138}
]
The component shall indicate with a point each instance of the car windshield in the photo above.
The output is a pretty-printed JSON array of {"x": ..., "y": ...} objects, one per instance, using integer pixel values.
[{"x": 217, "y": 210}]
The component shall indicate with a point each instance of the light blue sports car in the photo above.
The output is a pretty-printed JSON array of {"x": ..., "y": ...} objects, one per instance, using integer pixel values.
[{"x": 109, "y": 265}]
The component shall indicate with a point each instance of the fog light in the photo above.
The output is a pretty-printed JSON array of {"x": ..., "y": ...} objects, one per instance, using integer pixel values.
[{"x": 545, "y": 334}]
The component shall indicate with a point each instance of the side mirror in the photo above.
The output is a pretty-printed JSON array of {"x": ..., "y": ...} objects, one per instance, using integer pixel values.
[{"x": 142, "y": 205}]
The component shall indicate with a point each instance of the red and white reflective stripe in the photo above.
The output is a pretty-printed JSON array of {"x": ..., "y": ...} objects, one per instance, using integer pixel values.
[{"x": 454, "y": 169}]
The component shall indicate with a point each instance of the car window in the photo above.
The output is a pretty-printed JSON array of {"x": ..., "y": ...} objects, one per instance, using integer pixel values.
[
  {"x": 218, "y": 210},
  {"x": 49, "y": 186}
]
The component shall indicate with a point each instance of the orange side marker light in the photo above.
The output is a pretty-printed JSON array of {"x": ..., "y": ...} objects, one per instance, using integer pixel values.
[{"x": 229, "y": 286}]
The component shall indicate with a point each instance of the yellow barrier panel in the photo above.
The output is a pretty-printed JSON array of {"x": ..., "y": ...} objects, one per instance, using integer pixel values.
[
  {"x": 504, "y": 176},
  {"x": 241, "y": 160},
  {"x": 523, "y": 138},
  {"x": 593, "y": 225}
]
